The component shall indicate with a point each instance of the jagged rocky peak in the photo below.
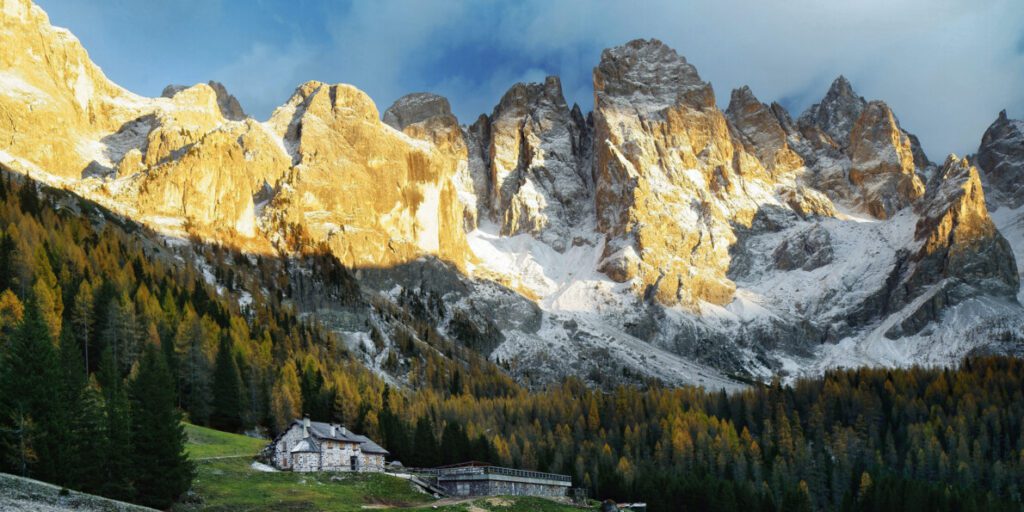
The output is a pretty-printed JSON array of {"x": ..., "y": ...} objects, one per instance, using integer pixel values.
[
  {"x": 647, "y": 74},
  {"x": 427, "y": 116},
  {"x": 882, "y": 162},
  {"x": 538, "y": 162},
  {"x": 761, "y": 128},
  {"x": 961, "y": 253},
  {"x": 835, "y": 114},
  {"x": 878, "y": 160},
  {"x": 670, "y": 178},
  {"x": 230, "y": 108},
  {"x": 1001, "y": 158},
  {"x": 228, "y": 105},
  {"x": 54, "y": 97},
  {"x": 416, "y": 108}
]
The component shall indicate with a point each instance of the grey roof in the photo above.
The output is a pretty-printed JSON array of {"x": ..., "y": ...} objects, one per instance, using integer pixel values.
[
  {"x": 368, "y": 446},
  {"x": 321, "y": 430}
]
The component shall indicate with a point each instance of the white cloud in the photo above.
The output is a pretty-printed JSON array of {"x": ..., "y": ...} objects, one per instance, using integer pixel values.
[{"x": 945, "y": 66}]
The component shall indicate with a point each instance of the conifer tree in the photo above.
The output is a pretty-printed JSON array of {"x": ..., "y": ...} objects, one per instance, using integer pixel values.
[
  {"x": 82, "y": 319},
  {"x": 117, "y": 466},
  {"x": 90, "y": 441},
  {"x": 29, "y": 389},
  {"x": 160, "y": 466},
  {"x": 227, "y": 392},
  {"x": 286, "y": 397},
  {"x": 28, "y": 198},
  {"x": 6, "y": 261},
  {"x": 425, "y": 444}
]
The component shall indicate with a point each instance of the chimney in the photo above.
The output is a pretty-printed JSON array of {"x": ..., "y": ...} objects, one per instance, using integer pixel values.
[
  {"x": 334, "y": 431},
  {"x": 305, "y": 427}
]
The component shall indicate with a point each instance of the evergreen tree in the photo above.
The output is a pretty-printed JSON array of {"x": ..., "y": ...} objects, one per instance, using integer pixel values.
[
  {"x": 286, "y": 397},
  {"x": 425, "y": 448},
  {"x": 160, "y": 465},
  {"x": 6, "y": 261},
  {"x": 91, "y": 444},
  {"x": 118, "y": 459},
  {"x": 227, "y": 392},
  {"x": 82, "y": 319},
  {"x": 455, "y": 446},
  {"x": 29, "y": 389},
  {"x": 28, "y": 198}
]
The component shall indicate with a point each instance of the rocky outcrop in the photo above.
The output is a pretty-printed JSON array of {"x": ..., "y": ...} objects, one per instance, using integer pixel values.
[
  {"x": 863, "y": 155},
  {"x": 961, "y": 254},
  {"x": 807, "y": 250},
  {"x": 667, "y": 172},
  {"x": 229, "y": 106},
  {"x": 54, "y": 102},
  {"x": 882, "y": 162},
  {"x": 760, "y": 127},
  {"x": 1001, "y": 158},
  {"x": 538, "y": 166},
  {"x": 407, "y": 204}
]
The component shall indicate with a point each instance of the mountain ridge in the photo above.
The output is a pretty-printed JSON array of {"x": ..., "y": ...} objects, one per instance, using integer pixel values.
[{"x": 659, "y": 227}]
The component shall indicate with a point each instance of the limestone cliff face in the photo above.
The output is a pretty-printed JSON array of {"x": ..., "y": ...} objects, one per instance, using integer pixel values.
[
  {"x": 229, "y": 106},
  {"x": 882, "y": 162},
  {"x": 960, "y": 249},
  {"x": 54, "y": 102},
  {"x": 1001, "y": 158},
  {"x": 376, "y": 196},
  {"x": 667, "y": 167},
  {"x": 192, "y": 159},
  {"x": 538, "y": 167},
  {"x": 762, "y": 130},
  {"x": 429, "y": 117},
  {"x": 213, "y": 182},
  {"x": 864, "y": 156}
]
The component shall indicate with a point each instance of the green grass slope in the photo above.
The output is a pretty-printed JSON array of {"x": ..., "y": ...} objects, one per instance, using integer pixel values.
[{"x": 226, "y": 481}]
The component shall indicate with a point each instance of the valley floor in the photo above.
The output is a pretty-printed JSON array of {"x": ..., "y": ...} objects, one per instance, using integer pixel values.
[{"x": 227, "y": 481}]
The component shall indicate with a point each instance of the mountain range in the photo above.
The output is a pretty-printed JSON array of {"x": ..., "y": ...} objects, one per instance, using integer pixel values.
[{"x": 656, "y": 236}]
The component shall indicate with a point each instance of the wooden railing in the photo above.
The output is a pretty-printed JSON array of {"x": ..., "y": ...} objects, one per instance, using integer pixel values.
[{"x": 497, "y": 470}]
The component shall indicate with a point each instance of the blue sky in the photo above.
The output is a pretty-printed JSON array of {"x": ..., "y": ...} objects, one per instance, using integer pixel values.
[{"x": 945, "y": 66}]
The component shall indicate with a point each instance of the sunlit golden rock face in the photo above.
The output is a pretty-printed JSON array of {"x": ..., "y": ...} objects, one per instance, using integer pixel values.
[
  {"x": 212, "y": 183},
  {"x": 961, "y": 254},
  {"x": 324, "y": 166},
  {"x": 53, "y": 100},
  {"x": 670, "y": 178},
  {"x": 428, "y": 117},
  {"x": 376, "y": 196},
  {"x": 760, "y": 130},
  {"x": 958, "y": 238},
  {"x": 882, "y": 162}
]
